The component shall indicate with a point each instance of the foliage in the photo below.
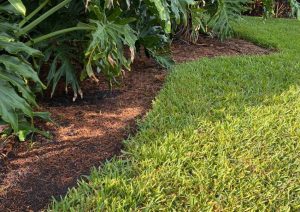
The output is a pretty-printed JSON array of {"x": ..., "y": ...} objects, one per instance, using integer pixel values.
[
  {"x": 269, "y": 7},
  {"x": 213, "y": 141},
  {"x": 16, "y": 76},
  {"x": 223, "y": 13},
  {"x": 295, "y": 5},
  {"x": 106, "y": 47}
]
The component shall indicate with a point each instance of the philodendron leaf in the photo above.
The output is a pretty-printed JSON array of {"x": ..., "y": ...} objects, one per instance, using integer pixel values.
[
  {"x": 10, "y": 45},
  {"x": 19, "y": 67},
  {"x": 164, "y": 13},
  {"x": 20, "y": 84},
  {"x": 15, "y": 48},
  {"x": 106, "y": 48},
  {"x": 19, "y": 6},
  {"x": 10, "y": 104}
]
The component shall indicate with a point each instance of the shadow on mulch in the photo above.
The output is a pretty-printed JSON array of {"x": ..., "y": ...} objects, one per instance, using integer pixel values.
[{"x": 90, "y": 131}]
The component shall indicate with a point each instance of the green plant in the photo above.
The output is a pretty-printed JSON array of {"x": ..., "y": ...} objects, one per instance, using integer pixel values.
[
  {"x": 269, "y": 7},
  {"x": 110, "y": 35},
  {"x": 17, "y": 75},
  {"x": 222, "y": 14},
  {"x": 295, "y": 5}
]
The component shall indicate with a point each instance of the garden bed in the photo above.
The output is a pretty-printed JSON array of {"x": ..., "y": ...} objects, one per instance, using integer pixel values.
[{"x": 91, "y": 130}]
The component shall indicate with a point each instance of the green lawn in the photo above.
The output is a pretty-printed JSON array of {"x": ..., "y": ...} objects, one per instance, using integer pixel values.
[{"x": 223, "y": 134}]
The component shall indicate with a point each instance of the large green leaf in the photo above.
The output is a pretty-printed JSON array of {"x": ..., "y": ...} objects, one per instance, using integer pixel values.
[
  {"x": 180, "y": 9},
  {"x": 11, "y": 46},
  {"x": 16, "y": 66},
  {"x": 162, "y": 8},
  {"x": 222, "y": 13},
  {"x": 106, "y": 48},
  {"x": 20, "y": 84},
  {"x": 62, "y": 67},
  {"x": 11, "y": 104},
  {"x": 19, "y": 6}
]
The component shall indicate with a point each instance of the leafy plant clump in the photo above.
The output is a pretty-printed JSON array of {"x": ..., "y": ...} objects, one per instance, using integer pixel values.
[
  {"x": 51, "y": 42},
  {"x": 18, "y": 79}
]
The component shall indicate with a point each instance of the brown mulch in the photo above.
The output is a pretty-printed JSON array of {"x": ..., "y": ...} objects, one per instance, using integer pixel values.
[
  {"x": 208, "y": 47},
  {"x": 90, "y": 131}
]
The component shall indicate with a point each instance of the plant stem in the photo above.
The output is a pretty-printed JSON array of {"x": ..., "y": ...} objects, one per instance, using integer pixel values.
[
  {"x": 56, "y": 33},
  {"x": 33, "y": 13},
  {"x": 42, "y": 17}
]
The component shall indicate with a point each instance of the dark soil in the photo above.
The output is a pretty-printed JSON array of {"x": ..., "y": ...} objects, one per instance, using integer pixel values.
[{"x": 90, "y": 131}]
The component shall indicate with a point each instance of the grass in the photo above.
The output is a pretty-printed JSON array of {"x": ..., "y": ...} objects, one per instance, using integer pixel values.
[{"x": 223, "y": 135}]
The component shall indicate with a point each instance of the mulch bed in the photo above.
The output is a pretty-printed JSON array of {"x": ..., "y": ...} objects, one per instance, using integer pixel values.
[{"x": 90, "y": 131}]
